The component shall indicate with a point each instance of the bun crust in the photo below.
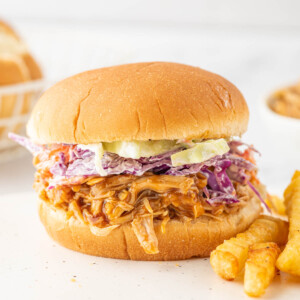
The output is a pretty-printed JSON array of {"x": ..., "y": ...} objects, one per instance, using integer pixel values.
[
  {"x": 16, "y": 66},
  {"x": 139, "y": 101},
  {"x": 16, "y": 63},
  {"x": 4, "y": 27},
  {"x": 181, "y": 240},
  {"x": 13, "y": 70}
]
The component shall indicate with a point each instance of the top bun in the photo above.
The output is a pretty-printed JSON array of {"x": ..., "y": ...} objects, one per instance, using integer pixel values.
[
  {"x": 16, "y": 63},
  {"x": 140, "y": 101}
]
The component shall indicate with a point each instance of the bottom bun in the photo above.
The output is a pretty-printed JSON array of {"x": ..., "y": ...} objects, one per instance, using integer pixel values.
[{"x": 182, "y": 240}]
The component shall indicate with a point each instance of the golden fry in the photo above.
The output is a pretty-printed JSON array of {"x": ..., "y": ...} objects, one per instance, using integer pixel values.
[
  {"x": 289, "y": 260},
  {"x": 276, "y": 204},
  {"x": 229, "y": 258},
  {"x": 260, "y": 268}
]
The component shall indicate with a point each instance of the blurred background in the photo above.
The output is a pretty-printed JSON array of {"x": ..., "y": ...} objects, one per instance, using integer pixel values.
[{"x": 255, "y": 44}]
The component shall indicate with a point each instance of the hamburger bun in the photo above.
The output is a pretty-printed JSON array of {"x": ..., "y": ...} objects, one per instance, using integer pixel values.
[
  {"x": 8, "y": 30},
  {"x": 180, "y": 241},
  {"x": 12, "y": 71},
  {"x": 17, "y": 66},
  {"x": 13, "y": 51},
  {"x": 140, "y": 101}
]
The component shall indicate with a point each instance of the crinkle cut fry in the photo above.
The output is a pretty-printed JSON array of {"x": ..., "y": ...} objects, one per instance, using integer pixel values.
[
  {"x": 260, "y": 268},
  {"x": 289, "y": 260},
  {"x": 229, "y": 258}
]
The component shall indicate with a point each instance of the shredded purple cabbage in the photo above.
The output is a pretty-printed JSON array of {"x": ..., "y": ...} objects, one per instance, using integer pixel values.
[
  {"x": 82, "y": 163},
  {"x": 25, "y": 142},
  {"x": 235, "y": 145},
  {"x": 220, "y": 170},
  {"x": 59, "y": 167},
  {"x": 258, "y": 195},
  {"x": 216, "y": 198}
]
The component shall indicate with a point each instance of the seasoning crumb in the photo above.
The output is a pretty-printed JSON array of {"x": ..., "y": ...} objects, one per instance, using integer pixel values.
[
  {"x": 178, "y": 265},
  {"x": 63, "y": 261},
  {"x": 73, "y": 279},
  {"x": 74, "y": 276}
]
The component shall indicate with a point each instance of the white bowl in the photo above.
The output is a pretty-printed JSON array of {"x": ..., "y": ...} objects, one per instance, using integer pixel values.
[{"x": 283, "y": 131}]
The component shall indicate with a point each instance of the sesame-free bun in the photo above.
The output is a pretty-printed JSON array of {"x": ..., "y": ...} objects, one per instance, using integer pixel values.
[
  {"x": 140, "y": 101},
  {"x": 181, "y": 240},
  {"x": 15, "y": 58},
  {"x": 17, "y": 66}
]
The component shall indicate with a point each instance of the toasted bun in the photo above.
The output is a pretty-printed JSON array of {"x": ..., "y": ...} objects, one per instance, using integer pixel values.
[
  {"x": 139, "y": 102},
  {"x": 180, "y": 241}
]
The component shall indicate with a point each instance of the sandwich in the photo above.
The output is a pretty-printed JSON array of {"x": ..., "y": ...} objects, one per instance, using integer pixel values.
[{"x": 143, "y": 161}]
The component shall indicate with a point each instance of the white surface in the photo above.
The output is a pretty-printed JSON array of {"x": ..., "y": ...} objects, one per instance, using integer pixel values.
[{"x": 34, "y": 267}]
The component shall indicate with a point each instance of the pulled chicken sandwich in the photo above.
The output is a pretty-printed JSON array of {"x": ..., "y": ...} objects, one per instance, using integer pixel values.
[{"x": 143, "y": 161}]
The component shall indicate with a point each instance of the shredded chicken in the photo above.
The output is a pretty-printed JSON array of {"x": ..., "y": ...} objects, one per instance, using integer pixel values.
[{"x": 104, "y": 203}]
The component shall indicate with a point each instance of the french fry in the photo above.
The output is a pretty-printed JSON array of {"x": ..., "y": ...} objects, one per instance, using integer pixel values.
[
  {"x": 289, "y": 260},
  {"x": 276, "y": 204},
  {"x": 260, "y": 268},
  {"x": 229, "y": 258}
]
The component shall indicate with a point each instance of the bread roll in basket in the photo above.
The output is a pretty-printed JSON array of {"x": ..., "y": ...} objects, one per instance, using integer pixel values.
[{"x": 20, "y": 85}]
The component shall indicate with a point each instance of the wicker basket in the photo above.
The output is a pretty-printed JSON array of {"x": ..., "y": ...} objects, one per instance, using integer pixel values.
[{"x": 16, "y": 103}]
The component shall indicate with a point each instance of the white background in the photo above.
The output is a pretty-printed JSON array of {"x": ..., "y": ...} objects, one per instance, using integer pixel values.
[
  {"x": 255, "y": 44},
  {"x": 255, "y": 12}
]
